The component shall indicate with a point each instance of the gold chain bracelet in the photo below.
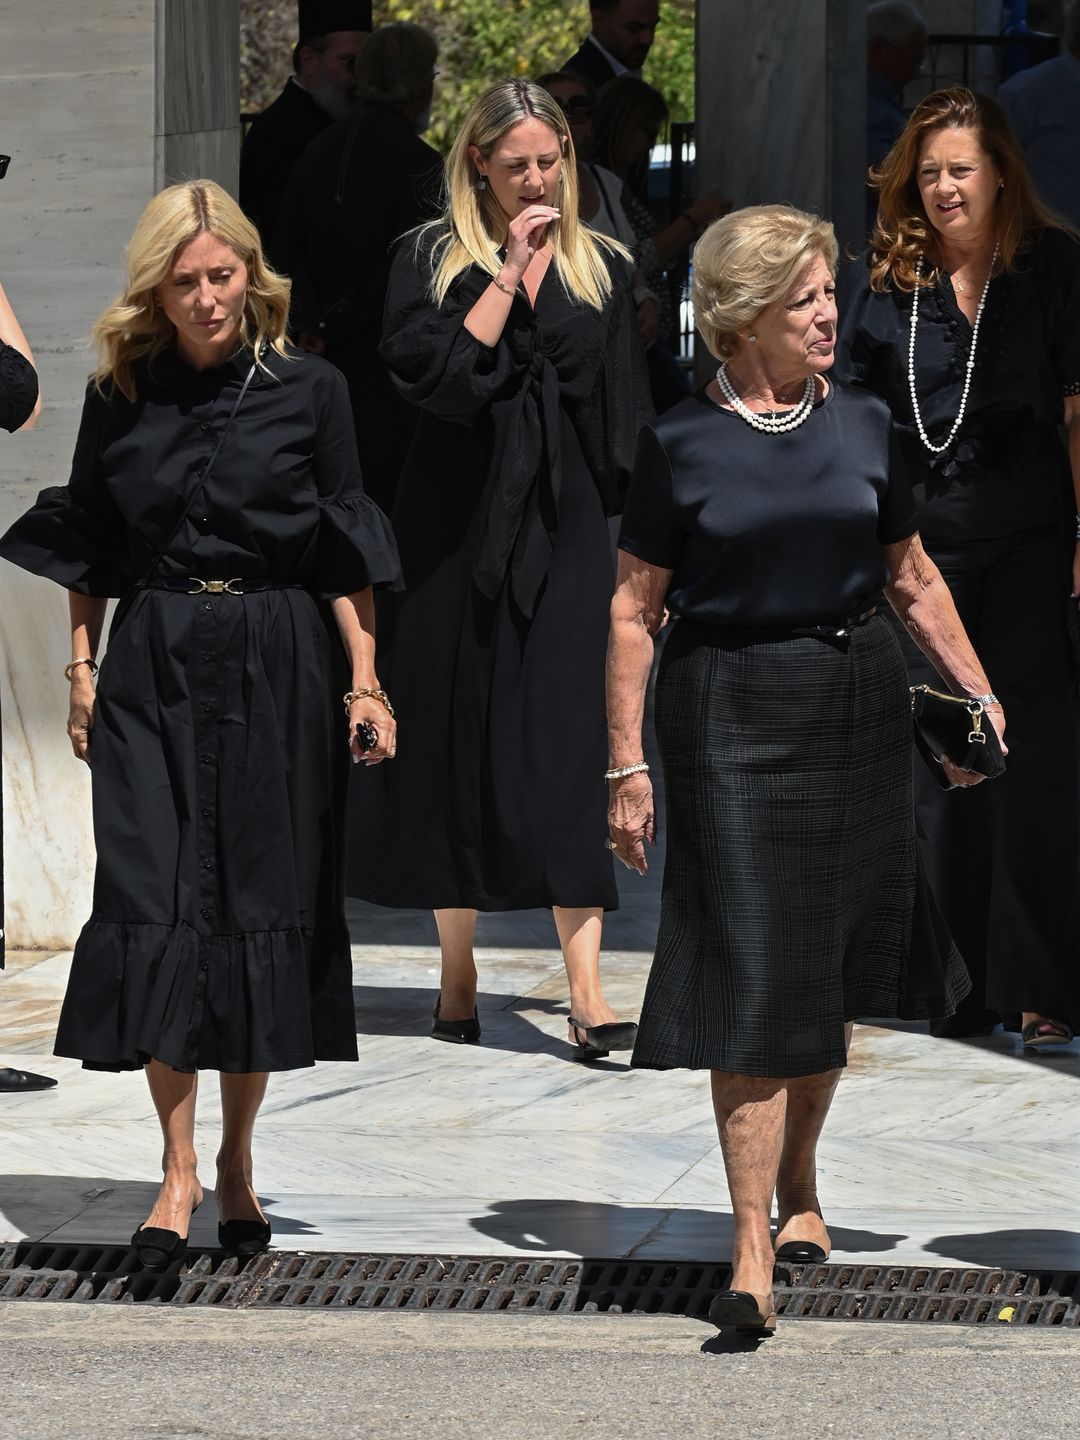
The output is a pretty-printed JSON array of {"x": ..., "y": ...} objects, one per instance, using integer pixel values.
[{"x": 380, "y": 695}]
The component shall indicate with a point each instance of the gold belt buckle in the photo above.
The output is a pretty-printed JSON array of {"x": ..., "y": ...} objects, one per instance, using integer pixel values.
[{"x": 215, "y": 587}]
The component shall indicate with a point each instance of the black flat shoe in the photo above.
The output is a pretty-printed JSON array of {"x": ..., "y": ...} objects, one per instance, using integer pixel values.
[
  {"x": 17, "y": 1081},
  {"x": 244, "y": 1237},
  {"x": 741, "y": 1311},
  {"x": 157, "y": 1249},
  {"x": 801, "y": 1252},
  {"x": 457, "y": 1032},
  {"x": 600, "y": 1040}
]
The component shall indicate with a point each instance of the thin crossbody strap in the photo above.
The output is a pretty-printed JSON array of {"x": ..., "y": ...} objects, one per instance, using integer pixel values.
[{"x": 185, "y": 509}]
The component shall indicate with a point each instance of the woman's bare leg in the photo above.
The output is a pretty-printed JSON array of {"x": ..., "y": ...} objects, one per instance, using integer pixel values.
[
  {"x": 798, "y": 1211},
  {"x": 174, "y": 1093},
  {"x": 750, "y": 1121},
  {"x": 241, "y": 1096},
  {"x": 579, "y": 935},
  {"x": 458, "y": 983}
]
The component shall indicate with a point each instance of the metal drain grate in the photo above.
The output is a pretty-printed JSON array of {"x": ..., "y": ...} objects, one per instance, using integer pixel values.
[{"x": 285, "y": 1280}]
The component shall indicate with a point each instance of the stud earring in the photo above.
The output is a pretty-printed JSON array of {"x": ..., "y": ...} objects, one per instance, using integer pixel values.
[{"x": 752, "y": 339}]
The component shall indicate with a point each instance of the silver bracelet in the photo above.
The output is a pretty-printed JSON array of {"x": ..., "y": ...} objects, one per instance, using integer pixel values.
[
  {"x": 985, "y": 700},
  {"x": 504, "y": 288},
  {"x": 621, "y": 771}
]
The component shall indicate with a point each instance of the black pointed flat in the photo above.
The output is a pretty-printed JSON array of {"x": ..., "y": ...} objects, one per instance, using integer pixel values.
[
  {"x": 244, "y": 1237},
  {"x": 156, "y": 1249},
  {"x": 600, "y": 1040},
  {"x": 19, "y": 1081},
  {"x": 744, "y": 1312},
  {"x": 457, "y": 1032},
  {"x": 802, "y": 1252}
]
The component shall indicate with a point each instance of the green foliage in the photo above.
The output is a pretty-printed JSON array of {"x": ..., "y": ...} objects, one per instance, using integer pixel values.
[{"x": 481, "y": 41}]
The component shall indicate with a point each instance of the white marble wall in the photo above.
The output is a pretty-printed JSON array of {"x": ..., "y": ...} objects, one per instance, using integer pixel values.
[{"x": 98, "y": 103}]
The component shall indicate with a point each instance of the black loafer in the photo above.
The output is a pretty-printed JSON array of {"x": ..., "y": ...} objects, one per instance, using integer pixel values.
[
  {"x": 157, "y": 1249},
  {"x": 743, "y": 1312},
  {"x": 244, "y": 1237},
  {"x": 16, "y": 1081},
  {"x": 802, "y": 1252},
  {"x": 600, "y": 1040}
]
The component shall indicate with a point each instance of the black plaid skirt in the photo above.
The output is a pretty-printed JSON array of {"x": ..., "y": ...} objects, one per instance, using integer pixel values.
[{"x": 793, "y": 897}]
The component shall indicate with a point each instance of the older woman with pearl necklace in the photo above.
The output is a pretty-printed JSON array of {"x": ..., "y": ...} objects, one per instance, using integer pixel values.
[
  {"x": 768, "y": 513},
  {"x": 965, "y": 320}
]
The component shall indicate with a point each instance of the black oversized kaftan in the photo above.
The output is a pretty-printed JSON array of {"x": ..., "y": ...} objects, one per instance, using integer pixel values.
[
  {"x": 217, "y": 938},
  {"x": 494, "y": 655}
]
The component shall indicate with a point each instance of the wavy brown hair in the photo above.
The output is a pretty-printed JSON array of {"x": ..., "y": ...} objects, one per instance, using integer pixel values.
[
  {"x": 134, "y": 327},
  {"x": 903, "y": 232}
]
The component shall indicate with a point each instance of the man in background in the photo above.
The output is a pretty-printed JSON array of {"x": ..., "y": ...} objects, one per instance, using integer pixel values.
[
  {"x": 319, "y": 91},
  {"x": 362, "y": 184},
  {"x": 895, "y": 54},
  {"x": 1044, "y": 106},
  {"x": 620, "y": 40}
]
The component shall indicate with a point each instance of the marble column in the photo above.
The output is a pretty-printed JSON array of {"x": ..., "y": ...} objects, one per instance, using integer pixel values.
[{"x": 102, "y": 104}]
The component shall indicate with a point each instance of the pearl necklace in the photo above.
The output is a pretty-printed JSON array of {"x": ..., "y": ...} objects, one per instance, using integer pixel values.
[
  {"x": 939, "y": 449},
  {"x": 770, "y": 424}
]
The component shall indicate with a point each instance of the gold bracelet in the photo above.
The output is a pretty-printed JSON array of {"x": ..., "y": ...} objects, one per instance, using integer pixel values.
[
  {"x": 82, "y": 660},
  {"x": 504, "y": 288},
  {"x": 380, "y": 695}
]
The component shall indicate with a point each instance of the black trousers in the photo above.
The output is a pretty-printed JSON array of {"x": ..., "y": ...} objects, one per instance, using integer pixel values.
[{"x": 1004, "y": 858}]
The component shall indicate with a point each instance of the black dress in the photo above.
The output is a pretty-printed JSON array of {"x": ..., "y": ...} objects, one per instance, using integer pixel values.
[
  {"x": 18, "y": 396},
  {"x": 996, "y": 515},
  {"x": 793, "y": 899},
  {"x": 496, "y": 650},
  {"x": 218, "y": 758}
]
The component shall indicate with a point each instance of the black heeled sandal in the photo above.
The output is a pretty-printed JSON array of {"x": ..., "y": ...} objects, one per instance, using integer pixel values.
[
  {"x": 457, "y": 1032},
  {"x": 600, "y": 1040},
  {"x": 244, "y": 1237},
  {"x": 743, "y": 1312}
]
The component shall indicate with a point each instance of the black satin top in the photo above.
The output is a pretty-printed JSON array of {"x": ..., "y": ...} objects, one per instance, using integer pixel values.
[
  {"x": 769, "y": 530},
  {"x": 18, "y": 388},
  {"x": 283, "y": 502},
  {"x": 1007, "y": 470}
]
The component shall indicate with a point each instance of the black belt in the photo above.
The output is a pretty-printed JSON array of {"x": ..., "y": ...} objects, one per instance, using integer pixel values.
[
  {"x": 239, "y": 585},
  {"x": 702, "y": 631},
  {"x": 835, "y": 629}
]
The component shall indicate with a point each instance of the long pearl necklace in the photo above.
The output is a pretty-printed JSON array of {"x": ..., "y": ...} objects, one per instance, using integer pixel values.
[
  {"x": 770, "y": 424},
  {"x": 939, "y": 449}
]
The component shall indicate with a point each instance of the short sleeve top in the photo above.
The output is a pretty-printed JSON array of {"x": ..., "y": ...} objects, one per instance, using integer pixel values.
[
  {"x": 769, "y": 530},
  {"x": 1007, "y": 469}
]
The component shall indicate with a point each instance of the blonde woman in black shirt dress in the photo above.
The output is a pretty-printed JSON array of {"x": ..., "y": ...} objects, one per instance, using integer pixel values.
[
  {"x": 215, "y": 489},
  {"x": 767, "y": 513}
]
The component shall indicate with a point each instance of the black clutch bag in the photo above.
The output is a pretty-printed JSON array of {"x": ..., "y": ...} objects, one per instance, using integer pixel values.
[{"x": 952, "y": 725}]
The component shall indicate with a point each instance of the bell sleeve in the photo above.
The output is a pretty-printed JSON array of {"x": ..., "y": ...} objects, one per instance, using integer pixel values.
[
  {"x": 72, "y": 533},
  {"x": 18, "y": 388},
  {"x": 621, "y": 403},
  {"x": 433, "y": 360},
  {"x": 356, "y": 546}
]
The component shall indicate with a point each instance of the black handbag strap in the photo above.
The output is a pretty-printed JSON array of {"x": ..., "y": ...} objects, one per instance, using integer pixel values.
[{"x": 185, "y": 509}]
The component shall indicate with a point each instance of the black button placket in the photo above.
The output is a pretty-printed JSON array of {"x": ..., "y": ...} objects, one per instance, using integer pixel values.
[{"x": 208, "y": 639}]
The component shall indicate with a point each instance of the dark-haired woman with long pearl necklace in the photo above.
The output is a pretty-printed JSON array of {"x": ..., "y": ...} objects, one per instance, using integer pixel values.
[{"x": 967, "y": 323}]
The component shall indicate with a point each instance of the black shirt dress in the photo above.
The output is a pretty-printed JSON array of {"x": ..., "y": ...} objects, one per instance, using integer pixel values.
[
  {"x": 218, "y": 752},
  {"x": 496, "y": 649}
]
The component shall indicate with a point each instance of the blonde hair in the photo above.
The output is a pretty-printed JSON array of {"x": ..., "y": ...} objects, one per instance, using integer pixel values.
[
  {"x": 134, "y": 327},
  {"x": 473, "y": 226},
  {"x": 749, "y": 259}
]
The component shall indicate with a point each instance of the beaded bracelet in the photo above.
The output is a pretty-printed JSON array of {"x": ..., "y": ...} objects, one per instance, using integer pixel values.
[
  {"x": 621, "y": 771},
  {"x": 380, "y": 695}
]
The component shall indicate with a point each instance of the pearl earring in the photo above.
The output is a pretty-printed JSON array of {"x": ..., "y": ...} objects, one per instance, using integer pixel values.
[{"x": 752, "y": 339}]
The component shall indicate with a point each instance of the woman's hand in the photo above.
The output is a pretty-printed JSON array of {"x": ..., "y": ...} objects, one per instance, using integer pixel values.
[
  {"x": 81, "y": 714},
  {"x": 707, "y": 208},
  {"x": 965, "y": 779},
  {"x": 632, "y": 820},
  {"x": 524, "y": 239},
  {"x": 377, "y": 715}
]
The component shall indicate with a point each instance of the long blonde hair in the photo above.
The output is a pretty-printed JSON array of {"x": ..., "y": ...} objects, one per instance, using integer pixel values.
[
  {"x": 473, "y": 227},
  {"x": 134, "y": 327}
]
